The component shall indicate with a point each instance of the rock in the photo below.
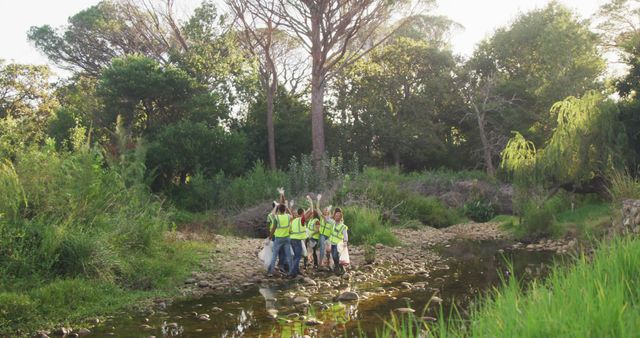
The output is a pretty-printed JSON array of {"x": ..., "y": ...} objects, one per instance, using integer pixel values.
[
  {"x": 216, "y": 309},
  {"x": 203, "y": 284},
  {"x": 309, "y": 281},
  {"x": 84, "y": 332},
  {"x": 379, "y": 246},
  {"x": 293, "y": 315},
  {"x": 301, "y": 300},
  {"x": 406, "y": 285},
  {"x": 273, "y": 313},
  {"x": 41, "y": 334},
  {"x": 404, "y": 310},
  {"x": 73, "y": 335},
  {"x": 61, "y": 331},
  {"x": 190, "y": 281},
  {"x": 429, "y": 319},
  {"x": 146, "y": 327},
  {"x": 436, "y": 299},
  {"x": 348, "y": 296},
  {"x": 172, "y": 325},
  {"x": 204, "y": 317},
  {"x": 313, "y": 322},
  {"x": 93, "y": 320}
]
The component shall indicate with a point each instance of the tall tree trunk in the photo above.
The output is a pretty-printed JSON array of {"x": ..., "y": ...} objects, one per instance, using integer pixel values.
[
  {"x": 317, "y": 120},
  {"x": 271, "y": 139},
  {"x": 486, "y": 147}
]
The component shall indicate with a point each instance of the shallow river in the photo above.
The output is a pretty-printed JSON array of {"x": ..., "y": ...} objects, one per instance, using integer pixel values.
[{"x": 469, "y": 269}]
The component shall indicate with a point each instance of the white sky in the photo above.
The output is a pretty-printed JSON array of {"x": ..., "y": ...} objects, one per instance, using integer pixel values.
[{"x": 479, "y": 17}]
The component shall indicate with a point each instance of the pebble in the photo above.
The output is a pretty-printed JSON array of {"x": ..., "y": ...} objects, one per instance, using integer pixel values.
[
  {"x": 436, "y": 299},
  {"x": 404, "y": 310},
  {"x": 301, "y": 300},
  {"x": 313, "y": 322}
]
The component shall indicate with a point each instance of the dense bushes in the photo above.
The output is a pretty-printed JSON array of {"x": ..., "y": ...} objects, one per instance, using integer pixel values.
[
  {"x": 258, "y": 184},
  {"x": 383, "y": 189},
  {"x": 366, "y": 227},
  {"x": 68, "y": 216}
]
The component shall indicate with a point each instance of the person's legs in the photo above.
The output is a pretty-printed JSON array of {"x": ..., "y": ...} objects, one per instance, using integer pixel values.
[
  {"x": 277, "y": 244},
  {"x": 304, "y": 256},
  {"x": 336, "y": 256},
  {"x": 296, "y": 244},
  {"x": 315, "y": 252},
  {"x": 322, "y": 249},
  {"x": 287, "y": 253},
  {"x": 282, "y": 263}
]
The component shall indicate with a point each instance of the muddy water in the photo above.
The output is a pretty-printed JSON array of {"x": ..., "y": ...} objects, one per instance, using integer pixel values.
[{"x": 468, "y": 269}]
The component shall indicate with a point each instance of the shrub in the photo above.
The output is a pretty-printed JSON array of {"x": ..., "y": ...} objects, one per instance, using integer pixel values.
[
  {"x": 369, "y": 253},
  {"x": 623, "y": 186},
  {"x": 428, "y": 210},
  {"x": 366, "y": 226},
  {"x": 479, "y": 211},
  {"x": 539, "y": 220}
]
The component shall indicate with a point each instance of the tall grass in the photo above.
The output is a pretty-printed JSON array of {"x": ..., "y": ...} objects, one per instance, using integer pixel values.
[
  {"x": 69, "y": 218},
  {"x": 367, "y": 227},
  {"x": 259, "y": 184},
  {"x": 382, "y": 189},
  {"x": 623, "y": 186},
  {"x": 596, "y": 297}
]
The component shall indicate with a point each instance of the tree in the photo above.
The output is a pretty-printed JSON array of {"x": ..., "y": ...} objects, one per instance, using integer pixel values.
[
  {"x": 110, "y": 29},
  {"x": 618, "y": 22},
  {"x": 291, "y": 119},
  {"x": 259, "y": 33},
  {"x": 393, "y": 103},
  {"x": 545, "y": 56},
  {"x": 26, "y": 105},
  {"x": 587, "y": 142},
  {"x": 182, "y": 149},
  {"x": 335, "y": 33}
]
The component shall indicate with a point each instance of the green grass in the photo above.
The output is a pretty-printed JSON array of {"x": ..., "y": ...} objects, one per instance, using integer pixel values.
[
  {"x": 385, "y": 190},
  {"x": 587, "y": 220},
  {"x": 81, "y": 235},
  {"x": 366, "y": 227},
  {"x": 593, "y": 298}
]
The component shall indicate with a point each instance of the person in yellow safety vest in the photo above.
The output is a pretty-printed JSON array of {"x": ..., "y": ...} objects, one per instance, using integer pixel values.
[
  {"x": 271, "y": 221},
  {"x": 280, "y": 234},
  {"x": 298, "y": 235},
  {"x": 314, "y": 230},
  {"x": 338, "y": 236},
  {"x": 326, "y": 226}
]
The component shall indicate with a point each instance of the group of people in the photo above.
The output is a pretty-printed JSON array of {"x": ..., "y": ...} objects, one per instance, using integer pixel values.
[{"x": 303, "y": 233}]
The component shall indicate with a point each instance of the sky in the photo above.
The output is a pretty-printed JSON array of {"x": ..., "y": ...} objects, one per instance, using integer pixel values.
[{"x": 479, "y": 17}]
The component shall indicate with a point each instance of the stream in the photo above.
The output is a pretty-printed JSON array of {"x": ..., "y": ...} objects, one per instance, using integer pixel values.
[{"x": 467, "y": 270}]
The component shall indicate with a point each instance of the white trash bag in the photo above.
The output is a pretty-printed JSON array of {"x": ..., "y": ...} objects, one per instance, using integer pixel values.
[
  {"x": 266, "y": 254},
  {"x": 344, "y": 254}
]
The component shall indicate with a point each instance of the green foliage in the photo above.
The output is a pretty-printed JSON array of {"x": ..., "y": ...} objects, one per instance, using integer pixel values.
[
  {"x": 392, "y": 102},
  {"x": 573, "y": 302},
  {"x": 291, "y": 122},
  {"x": 69, "y": 216},
  {"x": 479, "y": 210},
  {"x": 586, "y": 143},
  {"x": 144, "y": 93},
  {"x": 623, "y": 186},
  {"x": 385, "y": 189},
  {"x": 369, "y": 253},
  {"x": 259, "y": 184},
  {"x": 544, "y": 56},
  {"x": 185, "y": 148},
  {"x": 366, "y": 226}
]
